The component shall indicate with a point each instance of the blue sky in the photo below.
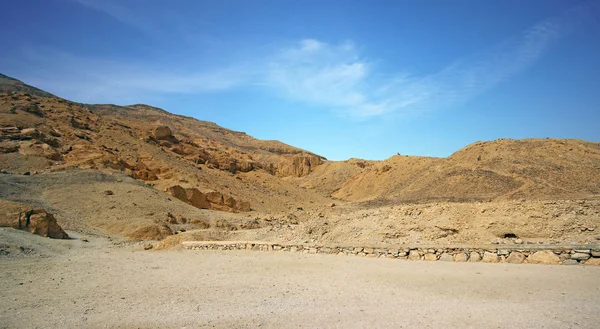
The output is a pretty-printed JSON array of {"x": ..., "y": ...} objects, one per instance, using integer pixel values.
[{"x": 343, "y": 79}]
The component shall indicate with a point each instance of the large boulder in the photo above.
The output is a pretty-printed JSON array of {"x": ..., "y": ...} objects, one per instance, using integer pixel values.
[
  {"x": 178, "y": 192},
  {"x": 543, "y": 257},
  {"x": 197, "y": 198},
  {"x": 593, "y": 261},
  {"x": 490, "y": 257},
  {"x": 515, "y": 257},
  {"x": 43, "y": 223},
  {"x": 163, "y": 133},
  {"x": 36, "y": 221}
]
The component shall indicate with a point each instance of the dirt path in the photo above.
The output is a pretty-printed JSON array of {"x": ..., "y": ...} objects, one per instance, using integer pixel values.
[{"x": 104, "y": 286}]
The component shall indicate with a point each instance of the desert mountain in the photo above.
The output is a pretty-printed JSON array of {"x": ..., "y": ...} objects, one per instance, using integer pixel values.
[{"x": 144, "y": 173}]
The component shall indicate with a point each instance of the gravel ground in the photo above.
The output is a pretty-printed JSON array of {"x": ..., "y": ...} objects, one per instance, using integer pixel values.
[{"x": 96, "y": 284}]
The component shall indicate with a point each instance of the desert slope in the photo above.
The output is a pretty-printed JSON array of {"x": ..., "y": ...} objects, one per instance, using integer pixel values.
[{"x": 497, "y": 170}]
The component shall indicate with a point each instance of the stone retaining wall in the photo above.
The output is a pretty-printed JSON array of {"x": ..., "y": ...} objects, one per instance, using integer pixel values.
[{"x": 516, "y": 254}]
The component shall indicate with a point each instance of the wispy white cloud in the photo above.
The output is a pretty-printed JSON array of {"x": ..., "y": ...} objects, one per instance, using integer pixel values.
[
  {"x": 119, "y": 12},
  {"x": 322, "y": 74}
]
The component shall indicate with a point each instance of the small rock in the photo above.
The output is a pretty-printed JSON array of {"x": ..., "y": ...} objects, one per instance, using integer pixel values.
[
  {"x": 585, "y": 251},
  {"x": 570, "y": 262},
  {"x": 518, "y": 241},
  {"x": 332, "y": 205},
  {"x": 596, "y": 253},
  {"x": 27, "y": 173},
  {"x": 108, "y": 192},
  {"x": 84, "y": 239},
  {"x": 580, "y": 256},
  {"x": 148, "y": 246}
]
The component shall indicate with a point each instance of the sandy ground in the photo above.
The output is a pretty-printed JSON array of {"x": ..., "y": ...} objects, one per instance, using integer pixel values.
[{"x": 68, "y": 284}]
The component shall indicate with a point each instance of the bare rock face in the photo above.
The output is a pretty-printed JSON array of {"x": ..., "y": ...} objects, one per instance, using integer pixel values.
[
  {"x": 39, "y": 149},
  {"x": 36, "y": 221},
  {"x": 163, "y": 133},
  {"x": 42, "y": 223},
  {"x": 144, "y": 174},
  {"x": 297, "y": 165},
  {"x": 543, "y": 257},
  {"x": 208, "y": 200},
  {"x": 197, "y": 198}
]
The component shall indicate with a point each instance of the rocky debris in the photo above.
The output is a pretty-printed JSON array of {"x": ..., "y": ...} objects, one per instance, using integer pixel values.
[
  {"x": 543, "y": 257},
  {"x": 208, "y": 200},
  {"x": 148, "y": 246},
  {"x": 173, "y": 219},
  {"x": 163, "y": 133},
  {"x": 151, "y": 232},
  {"x": 84, "y": 239},
  {"x": 36, "y": 221}
]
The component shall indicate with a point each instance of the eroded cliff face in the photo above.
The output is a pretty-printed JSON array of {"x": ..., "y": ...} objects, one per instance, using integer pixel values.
[
  {"x": 39, "y": 133},
  {"x": 208, "y": 199},
  {"x": 297, "y": 165}
]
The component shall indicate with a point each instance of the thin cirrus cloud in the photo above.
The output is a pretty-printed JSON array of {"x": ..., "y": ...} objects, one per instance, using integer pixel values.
[
  {"x": 317, "y": 73},
  {"x": 120, "y": 13}
]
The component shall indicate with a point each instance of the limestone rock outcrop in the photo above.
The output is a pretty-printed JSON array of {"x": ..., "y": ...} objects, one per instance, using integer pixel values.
[
  {"x": 163, "y": 133},
  {"x": 297, "y": 165},
  {"x": 208, "y": 199},
  {"x": 36, "y": 221}
]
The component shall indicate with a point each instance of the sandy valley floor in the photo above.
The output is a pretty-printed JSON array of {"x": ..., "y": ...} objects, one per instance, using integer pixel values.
[{"x": 68, "y": 284}]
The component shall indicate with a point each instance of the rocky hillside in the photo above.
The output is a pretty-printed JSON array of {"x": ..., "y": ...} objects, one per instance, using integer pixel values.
[
  {"x": 499, "y": 170},
  {"x": 142, "y": 173},
  {"x": 39, "y": 131}
]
